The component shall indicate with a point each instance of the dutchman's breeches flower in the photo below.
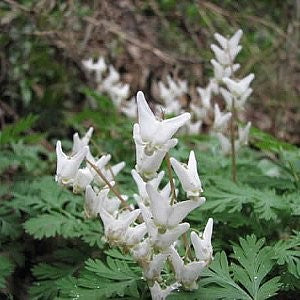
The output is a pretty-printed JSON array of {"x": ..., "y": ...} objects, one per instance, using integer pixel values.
[
  {"x": 186, "y": 274},
  {"x": 155, "y": 133},
  {"x": 67, "y": 166},
  {"x": 188, "y": 176},
  {"x": 202, "y": 245}
]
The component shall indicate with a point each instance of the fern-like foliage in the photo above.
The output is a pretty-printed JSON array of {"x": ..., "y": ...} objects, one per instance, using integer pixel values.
[
  {"x": 287, "y": 252},
  {"x": 6, "y": 268},
  {"x": 55, "y": 212},
  {"x": 246, "y": 278},
  {"x": 225, "y": 195},
  {"x": 103, "y": 281},
  {"x": 12, "y": 133}
]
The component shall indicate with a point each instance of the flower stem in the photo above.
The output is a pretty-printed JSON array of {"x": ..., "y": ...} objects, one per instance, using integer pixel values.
[
  {"x": 173, "y": 193},
  {"x": 124, "y": 203},
  {"x": 232, "y": 140}
]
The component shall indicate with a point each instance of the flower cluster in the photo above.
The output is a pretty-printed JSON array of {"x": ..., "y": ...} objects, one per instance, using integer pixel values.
[
  {"x": 111, "y": 85},
  {"x": 150, "y": 230}
]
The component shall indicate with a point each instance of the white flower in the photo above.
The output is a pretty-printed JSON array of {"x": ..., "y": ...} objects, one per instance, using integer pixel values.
[
  {"x": 153, "y": 269},
  {"x": 239, "y": 103},
  {"x": 83, "y": 178},
  {"x": 79, "y": 143},
  {"x": 221, "y": 71},
  {"x": 67, "y": 166},
  {"x": 205, "y": 95},
  {"x": 187, "y": 274},
  {"x": 241, "y": 87},
  {"x": 147, "y": 164},
  {"x": 129, "y": 108},
  {"x": 225, "y": 57},
  {"x": 188, "y": 175},
  {"x": 166, "y": 239},
  {"x": 157, "y": 293},
  {"x": 221, "y": 119},
  {"x": 225, "y": 144},
  {"x": 141, "y": 251},
  {"x": 162, "y": 239},
  {"x": 99, "y": 67},
  {"x": 229, "y": 43},
  {"x": 167, "y": 215},
  {"x": 244, "y": 134},
  {"x": 141, "y": 184},
  {"x": 202, "y": 245},
  {"x": 94, "y": 201},
  {"x": 115, "y": 228},
  {"x": 155, "y": 133},
  {"x": 118, "y": 93},
  {"x": 112, "y": 78},
  {"x": 135, "y": 234}
]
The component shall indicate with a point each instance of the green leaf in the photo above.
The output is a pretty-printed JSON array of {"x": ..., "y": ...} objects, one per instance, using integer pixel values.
[
  {"x": 255, "y": 263},
  {"x": 13, "y": 132},
  {"x": 46, "y": 277},
  {"x": 287, "y": 252},
  {"x": 51, "y": 225},
  {"x": 6, "y": 269}
]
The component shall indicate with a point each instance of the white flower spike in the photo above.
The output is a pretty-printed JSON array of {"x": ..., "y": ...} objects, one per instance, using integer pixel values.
[
  {"x": 188, "y": 175},
  {"x": 67, "y": 166},
  {"x": 202, "y": 245}
]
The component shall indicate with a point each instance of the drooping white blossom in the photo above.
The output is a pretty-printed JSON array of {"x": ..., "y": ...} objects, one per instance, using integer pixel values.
[
  {"x": 99, "y": 67},
  {"x": 202, "y": 244},
  {"x": 157, "y": 293},
  {"x": 153, "y": 269},
  {"x": 67, "y": 166},
  {"x": 186, "y": 274},
  {"x": 188, "y": 175},
  {"x": 135, "y": 234},
  {"x": 205, "y": 95},
  {"x": 83, "y": 178},
  {"x": 94, "y": 201},
  {"x": 221, "y": 119},
  {"x": 115, "y": 228},
  {"x": 224, "y": 143},
  {"x": 141, "y": 184},
  {"x": 129, "y": 108},
  {"x": 155, "y": 133},
  {"x": 79, "y": 143},
  {"x": 167, "y": 215},
  {"x": 148, "y": 163},
  {"x": 239, "y": 87},
  {"x": 244, "y": 134}
]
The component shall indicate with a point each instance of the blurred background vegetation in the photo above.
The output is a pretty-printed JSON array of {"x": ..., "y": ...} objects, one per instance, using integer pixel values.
[{"x": 42, "y": 43}]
